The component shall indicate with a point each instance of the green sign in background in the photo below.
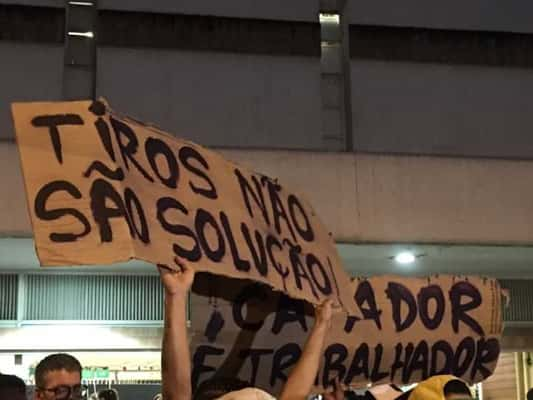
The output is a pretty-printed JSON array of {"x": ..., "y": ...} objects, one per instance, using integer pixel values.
[{"x": 95, "y": 373}]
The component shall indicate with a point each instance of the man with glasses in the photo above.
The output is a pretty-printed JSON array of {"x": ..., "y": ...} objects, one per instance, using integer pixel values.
[{"x": 58, "y": 377}]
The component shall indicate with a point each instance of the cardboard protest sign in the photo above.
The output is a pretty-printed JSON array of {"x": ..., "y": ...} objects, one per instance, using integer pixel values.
[
  {"x": 103, "y": 188},
  {"x": 407, "y": 329}
]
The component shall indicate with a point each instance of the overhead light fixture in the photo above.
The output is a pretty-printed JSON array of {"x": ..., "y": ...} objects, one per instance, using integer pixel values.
[
  {"x": 405, "y": 258},
  {"x": 329, "y": 18},
  {"x": 82, "y": 34},
  {"x": 81, "y": 3}
]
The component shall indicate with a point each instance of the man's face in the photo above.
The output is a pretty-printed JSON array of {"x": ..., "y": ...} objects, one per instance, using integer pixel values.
[{"x": 60, "y": 385}]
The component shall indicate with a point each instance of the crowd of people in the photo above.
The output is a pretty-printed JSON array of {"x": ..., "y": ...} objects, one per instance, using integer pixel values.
[{"x": 58, "y": 376}]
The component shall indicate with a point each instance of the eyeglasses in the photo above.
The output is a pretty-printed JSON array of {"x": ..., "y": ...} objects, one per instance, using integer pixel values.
[{"x": 65, "y": 392}]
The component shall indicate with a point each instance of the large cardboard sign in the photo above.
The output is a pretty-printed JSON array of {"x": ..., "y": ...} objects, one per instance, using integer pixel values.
[
  {"x": 407, "y": 329},
  {"x": 103, "y": 188}
]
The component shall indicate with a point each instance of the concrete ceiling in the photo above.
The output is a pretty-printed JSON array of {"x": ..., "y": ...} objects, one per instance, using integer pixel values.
[
  {"x": 496, "y": 261},
  {"x": 18, "y": 255}
]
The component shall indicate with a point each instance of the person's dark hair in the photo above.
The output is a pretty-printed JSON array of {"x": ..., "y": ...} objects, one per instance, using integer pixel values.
[
  {"x": 530, "y": 394},
  {"x": 12, "y": 382},
  {"x": 350, "y": 395},
  {"x": 108, "y": 394},
  {"x": 12, "y": 387},
  {"x": 455, "y": 386},
  {"x": 217, "y": 387},
  {"x": 55, "y": 362}
]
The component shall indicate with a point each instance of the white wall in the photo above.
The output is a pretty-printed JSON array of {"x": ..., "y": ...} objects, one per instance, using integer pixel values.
[
  {"x": 217, "y": 99},
  {"x": 93, "y": 345},
  {"x": 258, "y": 101},
  {"x": 27, "y": 72},
  {"x": 79, "y": 336},
  {"x": 441, "y": 109}
]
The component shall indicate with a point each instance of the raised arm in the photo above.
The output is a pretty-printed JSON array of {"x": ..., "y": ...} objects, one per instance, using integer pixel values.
[
  {"x": 302, "y": 377},
  {"x": 175, "y": 357}
]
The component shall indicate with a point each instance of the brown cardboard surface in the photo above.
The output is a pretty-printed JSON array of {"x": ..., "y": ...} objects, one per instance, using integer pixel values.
[
  {"x": 246, "y": 330},
  {"x": 103, "y": 188}
]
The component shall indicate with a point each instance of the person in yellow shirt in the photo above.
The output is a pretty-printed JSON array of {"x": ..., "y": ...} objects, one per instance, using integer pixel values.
[{"x": 441, "y": 387}]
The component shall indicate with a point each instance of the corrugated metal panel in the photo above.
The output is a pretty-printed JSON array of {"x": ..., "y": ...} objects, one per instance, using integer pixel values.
[
  {"x": 140, "y": 298},
  {"x": 521, "y": 305},
  {"x": 8, "y": 296},
  {"x": 94, "y": 297}
]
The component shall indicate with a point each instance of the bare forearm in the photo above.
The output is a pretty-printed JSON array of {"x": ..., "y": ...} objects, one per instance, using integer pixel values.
[
  {"x": 175, "y": 359},
  {"x": 302, "y": 377}
]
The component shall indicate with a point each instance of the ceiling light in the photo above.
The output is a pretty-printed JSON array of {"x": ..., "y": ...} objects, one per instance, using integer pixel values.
[
  {"x": 405, "y": 257},
  {"x": 81, "y": 3},
  {"x": 82, "y": 34},
  {"x": 329, "y": 18}
]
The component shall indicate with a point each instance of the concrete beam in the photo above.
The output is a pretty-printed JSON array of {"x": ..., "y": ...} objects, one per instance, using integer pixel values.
[
  {"x": 384, "y": 198},
  {"x": 371, "y": 198}
]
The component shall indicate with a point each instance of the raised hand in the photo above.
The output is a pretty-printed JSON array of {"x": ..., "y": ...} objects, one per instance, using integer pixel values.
[
  {"x": 177, "y": 282},
  {"x": 323, "y": 313}
]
